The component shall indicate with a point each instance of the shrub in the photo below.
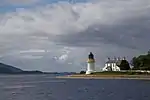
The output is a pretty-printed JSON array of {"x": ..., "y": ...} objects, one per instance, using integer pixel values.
[{"x": 82, "y": 72}]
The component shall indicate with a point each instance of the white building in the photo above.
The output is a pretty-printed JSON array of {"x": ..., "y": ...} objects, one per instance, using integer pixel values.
[{"x": 111, "y": 65}]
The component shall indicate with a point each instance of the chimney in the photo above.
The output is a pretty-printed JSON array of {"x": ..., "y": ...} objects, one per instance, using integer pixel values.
[
  {"x": 124, "y": 58},
  {"x": 108, "y": 59},
  {"x": 115, "y": 58},
  {"x": 118, "y": 59}
]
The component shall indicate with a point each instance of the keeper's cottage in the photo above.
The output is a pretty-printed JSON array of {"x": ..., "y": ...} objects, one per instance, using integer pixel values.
[{"x": 112, "y": 64}]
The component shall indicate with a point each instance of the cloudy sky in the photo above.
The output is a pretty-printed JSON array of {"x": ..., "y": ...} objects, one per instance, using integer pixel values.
[{"x": 52, "y": 35}]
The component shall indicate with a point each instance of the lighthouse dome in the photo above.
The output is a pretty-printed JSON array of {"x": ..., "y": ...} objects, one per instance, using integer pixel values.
[{"x": 91, "y": 56}]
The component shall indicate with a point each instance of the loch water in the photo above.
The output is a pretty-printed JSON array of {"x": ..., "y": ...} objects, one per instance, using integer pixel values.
[{"x": 46, "y": 87}]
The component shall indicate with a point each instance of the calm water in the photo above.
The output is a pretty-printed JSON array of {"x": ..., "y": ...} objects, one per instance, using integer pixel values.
[{"x": 44, "y": 87}]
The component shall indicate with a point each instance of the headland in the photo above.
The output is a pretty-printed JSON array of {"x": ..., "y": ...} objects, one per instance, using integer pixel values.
[{"x": 110, "y": 75}]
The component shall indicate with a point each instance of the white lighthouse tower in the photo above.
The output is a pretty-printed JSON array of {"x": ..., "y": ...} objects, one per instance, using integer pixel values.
[{"x": 90, "y": 64}]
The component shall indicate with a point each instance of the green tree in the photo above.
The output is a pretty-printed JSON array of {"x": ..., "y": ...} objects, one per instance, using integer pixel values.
[
  {"x": 148, "y": 52},
  {"x": 82, "y": 72},
  {"x": 124, "y": 65},
  {"x": 141, "y": 62}
]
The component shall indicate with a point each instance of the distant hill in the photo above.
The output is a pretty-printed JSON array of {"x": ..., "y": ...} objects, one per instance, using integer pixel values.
[{"x": 9, "y": 69}]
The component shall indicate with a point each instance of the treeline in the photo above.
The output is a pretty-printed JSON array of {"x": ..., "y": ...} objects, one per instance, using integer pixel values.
[{"x": 141, "y": 62}]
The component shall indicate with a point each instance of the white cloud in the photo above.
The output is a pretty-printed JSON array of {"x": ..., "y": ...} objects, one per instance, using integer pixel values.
[
  {"x": 67, "y": 32},
  {"x": 32, "y": 51},
  {"x": 63, "y": 57},
  {"x": 31, "y": 57}
]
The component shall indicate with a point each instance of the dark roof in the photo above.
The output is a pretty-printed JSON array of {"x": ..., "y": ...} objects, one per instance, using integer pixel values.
[
  {"x": 111, "y": 61},
  {"x": 114, "y": 61}
]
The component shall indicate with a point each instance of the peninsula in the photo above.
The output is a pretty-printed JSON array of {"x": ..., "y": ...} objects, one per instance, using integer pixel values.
[
  {"x": 110, "y": 75},
  {"x": 117, "y": 69}
]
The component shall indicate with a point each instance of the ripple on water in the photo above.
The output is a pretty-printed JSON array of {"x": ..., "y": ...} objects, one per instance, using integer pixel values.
[
  {"x": 18, "y": 86},
  {"x": 50, "y": 81}
]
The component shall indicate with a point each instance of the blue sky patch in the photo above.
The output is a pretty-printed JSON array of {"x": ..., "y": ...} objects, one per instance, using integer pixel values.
[{"x": 11, "y": 8}]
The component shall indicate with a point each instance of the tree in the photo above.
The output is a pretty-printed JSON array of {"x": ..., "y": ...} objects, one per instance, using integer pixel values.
[
  {"x": 148, "y": 52},
  {"x": 124, "y": 65},
  {"x": 82, "y": 72},
  {"x": 135, "y": 63},
  {"x": 141, "y": 62}
]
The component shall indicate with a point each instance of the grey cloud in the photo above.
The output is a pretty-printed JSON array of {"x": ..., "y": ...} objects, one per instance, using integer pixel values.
[
  {"x": 118, "y": 28},
  {"x": 132, "y": 33}
]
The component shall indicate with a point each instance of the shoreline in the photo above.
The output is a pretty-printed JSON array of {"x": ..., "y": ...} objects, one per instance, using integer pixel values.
[{"x": 140, "y": 77}]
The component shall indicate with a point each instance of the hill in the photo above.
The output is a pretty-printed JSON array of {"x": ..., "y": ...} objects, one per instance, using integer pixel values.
[{"x": 8, "y": 69}]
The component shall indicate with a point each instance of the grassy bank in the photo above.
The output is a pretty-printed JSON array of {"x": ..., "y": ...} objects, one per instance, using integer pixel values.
[
  {"x": 120, "y": 73},
  {"x": 111, "y": 75}
]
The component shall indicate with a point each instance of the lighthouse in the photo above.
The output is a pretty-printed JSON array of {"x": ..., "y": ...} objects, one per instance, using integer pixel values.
[{"x": 90, "y": 64}]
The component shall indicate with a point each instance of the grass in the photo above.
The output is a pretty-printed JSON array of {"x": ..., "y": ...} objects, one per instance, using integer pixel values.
[
  {"x": 129, "y": 72},
  {"x": 120, "y": 73},
  {"x": 112, "y": 75}
]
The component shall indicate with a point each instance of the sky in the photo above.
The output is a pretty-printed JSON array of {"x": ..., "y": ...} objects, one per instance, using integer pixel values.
[{"x": 57, "y": 36}]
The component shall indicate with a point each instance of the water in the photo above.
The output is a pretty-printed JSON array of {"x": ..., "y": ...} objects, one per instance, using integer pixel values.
[{"x": 44, "y": 87}]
